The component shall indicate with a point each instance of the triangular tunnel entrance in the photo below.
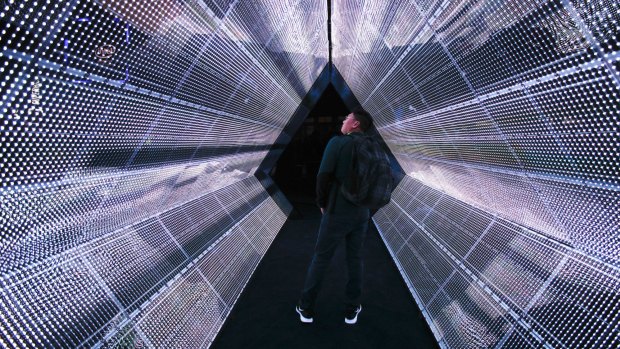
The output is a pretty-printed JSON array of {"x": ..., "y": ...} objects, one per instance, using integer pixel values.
[
  {"x": 296, "y": 169},
  {"x": 391, "y": 319},
  {"x": 289, "y": 170}
]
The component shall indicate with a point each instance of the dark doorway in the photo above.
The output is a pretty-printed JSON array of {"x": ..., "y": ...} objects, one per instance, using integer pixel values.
[{"x": 296, "y": 170}]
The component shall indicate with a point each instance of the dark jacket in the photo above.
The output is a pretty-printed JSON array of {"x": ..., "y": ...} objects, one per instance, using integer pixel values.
[{"x": 333, "y": 171}]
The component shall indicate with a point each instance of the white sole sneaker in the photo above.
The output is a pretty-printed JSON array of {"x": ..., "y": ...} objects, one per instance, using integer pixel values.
[
  {"x": 354, "y": 320},
  {"x": 305, "y": 320}
]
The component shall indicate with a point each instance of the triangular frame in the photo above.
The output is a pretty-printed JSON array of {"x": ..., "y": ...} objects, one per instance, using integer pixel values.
[{"x": 329, "y": 74}]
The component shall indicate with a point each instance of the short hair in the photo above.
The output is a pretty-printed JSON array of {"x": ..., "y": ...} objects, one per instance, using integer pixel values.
[{"x": 363, "y": 117}]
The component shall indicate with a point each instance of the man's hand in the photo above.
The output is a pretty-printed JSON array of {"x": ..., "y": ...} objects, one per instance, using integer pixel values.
[{"x": 322, "y": 210}]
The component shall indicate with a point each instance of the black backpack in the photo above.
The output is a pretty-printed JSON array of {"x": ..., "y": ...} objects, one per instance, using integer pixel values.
[{"x": 370, "y": 182}]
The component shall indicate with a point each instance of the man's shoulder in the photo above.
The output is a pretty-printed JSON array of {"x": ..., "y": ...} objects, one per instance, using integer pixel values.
[
  {"x": 339, "y": 139},
  {"x": 336, "y": 143},
  {"x": 348, "y": 137}
]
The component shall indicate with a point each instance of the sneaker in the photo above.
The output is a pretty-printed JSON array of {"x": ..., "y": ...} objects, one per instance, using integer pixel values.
[
  {"x": 304, "y": 315},
  {"x": 351, "y": 315}
]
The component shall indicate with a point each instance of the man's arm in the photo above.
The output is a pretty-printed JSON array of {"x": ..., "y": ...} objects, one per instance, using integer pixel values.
[
  {"x": 323, "y": 181},
  {"x": 326, "y": 174}
]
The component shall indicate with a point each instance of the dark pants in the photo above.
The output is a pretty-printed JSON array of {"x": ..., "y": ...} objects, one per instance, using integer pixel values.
[{"x": 334, "y": 228}]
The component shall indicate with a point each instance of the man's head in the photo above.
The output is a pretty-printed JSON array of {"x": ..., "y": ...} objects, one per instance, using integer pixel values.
[{"x": 357, "y": 121}]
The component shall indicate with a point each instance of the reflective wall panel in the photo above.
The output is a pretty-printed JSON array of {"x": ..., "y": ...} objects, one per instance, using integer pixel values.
[
  {"x": 504, "y": 115},
  {"x": 131, "y": 132}
]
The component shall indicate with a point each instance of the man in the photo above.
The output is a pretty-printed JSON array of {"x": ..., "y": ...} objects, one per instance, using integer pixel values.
[{"x": 341, "y": 220}]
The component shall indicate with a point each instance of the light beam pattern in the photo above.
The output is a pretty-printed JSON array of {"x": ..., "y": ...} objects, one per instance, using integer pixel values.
[
  {"x": 504, "y": 116},
  {"x": 131, "y": 132}
]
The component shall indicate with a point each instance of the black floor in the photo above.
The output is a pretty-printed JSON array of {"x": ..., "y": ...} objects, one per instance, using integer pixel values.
[{"x": 264, "y": 316}]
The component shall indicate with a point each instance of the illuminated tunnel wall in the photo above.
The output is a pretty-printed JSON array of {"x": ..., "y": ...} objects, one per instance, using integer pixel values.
[
  {"x": 504, "y": 116},
  {"x": 131, "y": 133},
  {"x": 137, "y": 135}
]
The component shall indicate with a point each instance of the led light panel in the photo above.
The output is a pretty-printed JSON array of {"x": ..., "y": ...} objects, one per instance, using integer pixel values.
[
  {"x": 131, "y": 132},
  {"x": 504, "y": 115}
]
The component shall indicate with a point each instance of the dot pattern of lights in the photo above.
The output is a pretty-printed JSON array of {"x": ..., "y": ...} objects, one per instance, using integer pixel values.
[
  {"x": 131, "y": 132},
  {"x": 505, "y": 117}
]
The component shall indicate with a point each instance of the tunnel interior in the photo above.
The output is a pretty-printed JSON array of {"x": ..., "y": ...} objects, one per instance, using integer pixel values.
[
  {"x": 139, "y": 140},
  {"x": 296, "y": 169}
]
